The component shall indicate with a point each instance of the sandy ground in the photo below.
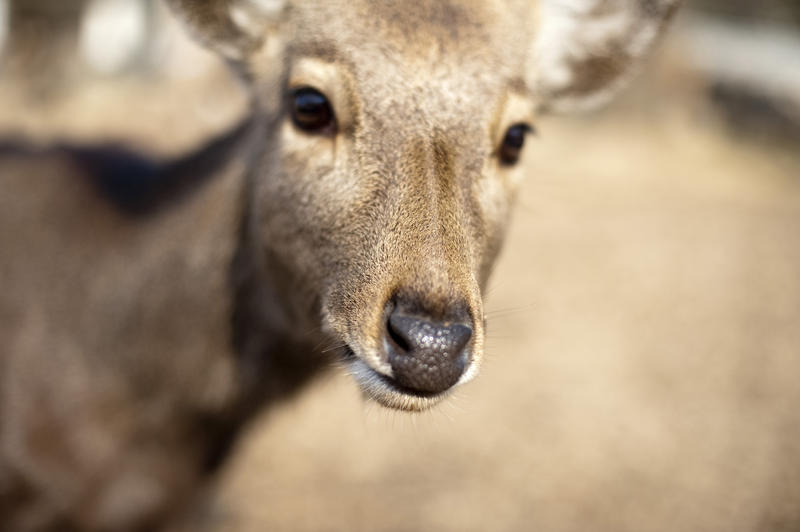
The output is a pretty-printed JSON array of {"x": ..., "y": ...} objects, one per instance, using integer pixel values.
[
  {"x": 644, "y": 343},
  {"x": 642, "y": 370}
]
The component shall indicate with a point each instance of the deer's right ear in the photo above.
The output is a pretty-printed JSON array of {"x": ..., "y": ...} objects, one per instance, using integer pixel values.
[{"x": 233, "y": 28}]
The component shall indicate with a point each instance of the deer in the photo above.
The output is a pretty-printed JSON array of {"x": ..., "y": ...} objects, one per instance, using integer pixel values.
[{"x": 353, "y": 218}]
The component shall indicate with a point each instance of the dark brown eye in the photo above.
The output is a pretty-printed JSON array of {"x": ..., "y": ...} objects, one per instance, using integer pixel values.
[
  {"x": 311, "y": 110},
  {"x": 513, "y": 142}
]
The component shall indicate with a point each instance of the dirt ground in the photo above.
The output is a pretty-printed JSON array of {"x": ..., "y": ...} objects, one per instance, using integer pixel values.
[
  {"x": 642, "y": 370},
  {"x": 643, "y": 363}
]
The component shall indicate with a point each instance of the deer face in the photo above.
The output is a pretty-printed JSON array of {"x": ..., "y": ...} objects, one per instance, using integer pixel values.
[{"x": 391, "y": 162}]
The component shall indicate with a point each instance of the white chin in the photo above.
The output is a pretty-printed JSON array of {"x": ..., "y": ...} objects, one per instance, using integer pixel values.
[{"x": 382, "y": 390}]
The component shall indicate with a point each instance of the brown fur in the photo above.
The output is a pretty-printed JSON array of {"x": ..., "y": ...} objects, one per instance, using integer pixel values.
[{"x": 135, "y": 347}]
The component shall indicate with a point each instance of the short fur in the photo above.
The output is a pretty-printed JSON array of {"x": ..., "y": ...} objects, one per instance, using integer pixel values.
[{"x": 137, "y": 341}]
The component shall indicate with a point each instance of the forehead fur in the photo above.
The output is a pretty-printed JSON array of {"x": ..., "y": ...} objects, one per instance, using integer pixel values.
[
  {"x": 413, "y": 32},
  {"x": 430, "y": 61}
]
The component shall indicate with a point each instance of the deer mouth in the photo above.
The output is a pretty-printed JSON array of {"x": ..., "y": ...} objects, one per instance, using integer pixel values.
[
  {"x": 412, "y": 358},
  {"x": 387, "y": 392}
]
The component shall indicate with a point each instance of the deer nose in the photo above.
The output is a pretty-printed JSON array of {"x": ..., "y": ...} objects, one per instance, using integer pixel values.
[{"x": 425, "y": 355}]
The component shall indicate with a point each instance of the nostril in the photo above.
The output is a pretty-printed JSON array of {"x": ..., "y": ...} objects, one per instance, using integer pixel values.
[
  {"x": 397, "y": 336},
  {"x": 412, "y": 334}
]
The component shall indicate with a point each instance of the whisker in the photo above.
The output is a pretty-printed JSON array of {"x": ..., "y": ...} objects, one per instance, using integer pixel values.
[
  {"x": 508, "y": 311},
  {"x": 494, "y": 284},
  {"x": 333, "y": 347},
  {"x": 314, "y": 329},
  {"x": 455, "y": 403},
  {"x": 490, "y": 336},
  {"x": 320, "y": 344}
]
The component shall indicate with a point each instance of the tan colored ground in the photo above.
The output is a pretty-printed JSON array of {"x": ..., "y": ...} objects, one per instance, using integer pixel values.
[{"x": 643, "y": 369}]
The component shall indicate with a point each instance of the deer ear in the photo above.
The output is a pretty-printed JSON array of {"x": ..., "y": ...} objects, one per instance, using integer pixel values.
[
  {"x": 233, "y": 28},
  {"x": 585, "y": 50}
]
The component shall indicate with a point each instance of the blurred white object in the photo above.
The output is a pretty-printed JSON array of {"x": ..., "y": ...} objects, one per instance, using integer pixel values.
[
  {"x": 765, "y": 57},
  {"x": 114, "y": 34},
  {"x": 119, "y": 36},
  {"x": 173, "y": 53}
]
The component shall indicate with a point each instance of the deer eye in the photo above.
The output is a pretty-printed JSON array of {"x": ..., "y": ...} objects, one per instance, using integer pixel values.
[
  {"x": 512, "y": 144},
  {"x": 311, "y": 111}
]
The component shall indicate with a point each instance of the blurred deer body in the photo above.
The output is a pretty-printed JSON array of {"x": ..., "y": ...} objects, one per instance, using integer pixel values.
[{"x": 362, "y": 206}]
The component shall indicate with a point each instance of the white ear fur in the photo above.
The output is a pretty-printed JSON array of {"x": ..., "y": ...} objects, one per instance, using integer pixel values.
[
  {"x": 585, "y": 50},
  {"x": 234, "y": 28}
]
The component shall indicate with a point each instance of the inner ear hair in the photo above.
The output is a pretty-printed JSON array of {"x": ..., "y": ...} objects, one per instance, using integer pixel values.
[{"x": 588, "y": 49}]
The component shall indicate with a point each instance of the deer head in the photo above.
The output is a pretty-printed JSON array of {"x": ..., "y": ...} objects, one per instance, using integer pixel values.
[{"x": 392, "y": 152}]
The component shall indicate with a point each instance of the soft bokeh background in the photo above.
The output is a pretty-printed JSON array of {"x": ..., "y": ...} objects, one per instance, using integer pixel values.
[{"x": 643, "y": 368}]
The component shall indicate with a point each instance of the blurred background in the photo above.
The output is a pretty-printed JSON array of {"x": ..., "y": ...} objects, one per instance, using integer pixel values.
[{"x": 643, "y": 369}]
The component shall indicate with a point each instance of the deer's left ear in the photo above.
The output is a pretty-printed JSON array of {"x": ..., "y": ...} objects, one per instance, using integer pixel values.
[{"x": 587, "y": 49}]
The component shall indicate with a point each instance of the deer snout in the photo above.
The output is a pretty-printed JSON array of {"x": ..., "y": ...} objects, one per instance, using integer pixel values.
[{"x": 427, "y": 355}]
